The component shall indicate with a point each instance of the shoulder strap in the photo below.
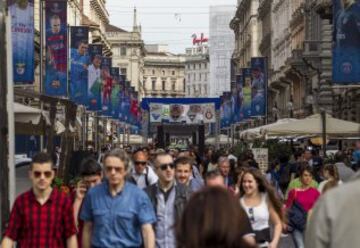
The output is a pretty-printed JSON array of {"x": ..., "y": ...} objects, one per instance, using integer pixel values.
[{"x": 147, "y": 176}]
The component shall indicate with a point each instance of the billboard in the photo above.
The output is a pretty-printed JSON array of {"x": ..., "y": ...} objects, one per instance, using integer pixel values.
[
  {"x": 79, "y": 64},
  {"x": 22, "y": 35},
  {"x": 246, "y": 93},
  {"x": 94, "y": 78},
  {"x": 258, "y": 87},
  {"x": 106, "y": 86},
  {"x": 56, "y": 48},
  {"x": 346, "y": 40}
]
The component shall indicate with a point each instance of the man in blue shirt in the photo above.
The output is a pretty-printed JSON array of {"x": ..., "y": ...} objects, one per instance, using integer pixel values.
[{"x": 117, "y": 213}]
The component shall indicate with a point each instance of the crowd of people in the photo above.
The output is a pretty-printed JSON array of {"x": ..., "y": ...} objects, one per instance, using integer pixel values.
[{"x": 172, "y": 198}]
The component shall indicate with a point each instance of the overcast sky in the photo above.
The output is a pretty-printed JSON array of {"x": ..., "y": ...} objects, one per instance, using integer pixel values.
[{"x": 169, "y": 22}]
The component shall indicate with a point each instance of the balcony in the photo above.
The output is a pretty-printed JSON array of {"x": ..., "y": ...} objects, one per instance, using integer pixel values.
[{"x": 324, "y": 8}]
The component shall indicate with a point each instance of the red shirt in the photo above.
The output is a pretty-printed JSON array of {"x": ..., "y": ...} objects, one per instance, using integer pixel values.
[
  {"x": 35, "y": 225},
  {"x": 307, "y": 198}
]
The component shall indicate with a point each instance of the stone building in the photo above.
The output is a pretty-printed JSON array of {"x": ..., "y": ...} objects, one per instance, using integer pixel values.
[
  {"x": 128, "y": 53},
  {"x": 164, "y": 73},
  {"x": 197, "y": 71}
]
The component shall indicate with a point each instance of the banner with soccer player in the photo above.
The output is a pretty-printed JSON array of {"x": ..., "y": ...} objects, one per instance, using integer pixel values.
[
  {"x": 246, "y": 89},
  {"x": 238, "y": 109},
  {"x": 106, "y": 85},
  {"x": 94, "y": 78},
  {"x": 258, "y": 86},
  {"x": 79, "y": 64},
  {"x": 22, "y": 35},
  {"x": 56, "y": 48},
  {"x": 115, "y": 92},
  {"x": 346, "y": 41},
  {"x": 124, "y": 113}
]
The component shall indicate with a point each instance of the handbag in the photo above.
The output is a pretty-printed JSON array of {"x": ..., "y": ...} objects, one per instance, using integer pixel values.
[{"x": 297, "y": 216}]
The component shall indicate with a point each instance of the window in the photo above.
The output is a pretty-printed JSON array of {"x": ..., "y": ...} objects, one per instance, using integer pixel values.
[
  {"x": 123, "y": 51},
  {"x": 205, "y": 79},
  {"x": 173, "y": 85},
  {"x": 163, "y": 82},
  {"x": 163, "y": 72},
  {"x": 205, "y": 65},
  {"x": 194, "y": 89},
  {"x": 205, "y": 90},
  {"x": 173, "y": 73},
  {"x": 123, "y": 71},
  {"x": 200, "y": 89},
  {"x": 189, "y": 90},
  {"x": 153, "y": 72},
  {"x": 189, "y": 77},
  {"x": 194, "y": 66},
  {"x": 200, "y": 66},
  {"x": 184, "y": 86},
  {"x": 153, "y": 83},
  {"x": 194, "y": 77},
  {"x": 199, "y": 76}
]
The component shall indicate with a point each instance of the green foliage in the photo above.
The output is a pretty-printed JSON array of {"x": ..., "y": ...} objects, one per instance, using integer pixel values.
[{"x": 277, "y": 148}]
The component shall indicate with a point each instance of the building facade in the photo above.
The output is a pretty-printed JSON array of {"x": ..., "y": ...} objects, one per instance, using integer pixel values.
[
  {"x": 128, "y": 53},
  {"x": 221, "y": 47},
  {"x": 164, "y": 74},
  {"x": 197, "y": 71}
]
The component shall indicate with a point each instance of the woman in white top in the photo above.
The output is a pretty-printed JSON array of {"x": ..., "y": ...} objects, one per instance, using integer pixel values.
[
  {"x": 262, "y": 206},
  {"x": 331, "y": 174}
]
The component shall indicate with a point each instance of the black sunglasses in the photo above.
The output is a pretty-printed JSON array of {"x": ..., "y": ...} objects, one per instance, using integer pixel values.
[
  {"x": 252, "y": 217},
  {"x": 165, "y": 166},
  {"x": 140, "y": 162}
]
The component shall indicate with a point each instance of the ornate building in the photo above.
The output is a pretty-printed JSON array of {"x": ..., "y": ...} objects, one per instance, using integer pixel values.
[{"x": 164, "y": 73}]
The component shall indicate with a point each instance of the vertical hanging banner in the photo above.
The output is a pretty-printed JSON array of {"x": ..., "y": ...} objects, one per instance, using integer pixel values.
[
  {"x": 346, "y": 42},
  {"x": 94, "y": 78},
  {"x": 22, "y": 35},
  {"x": 79, "y": 64},
  {"x": 239, "y": 98},
  {"x": 246, "y": 89},
  {"x": 225, "y": 109},
  {"x": 56, "y": 48},
  {"x": 125, "y": 103},
  {"x": 115, "y": 91},
  {"x": 106, "y": 86},
  {"x": 258, "y": 86}
]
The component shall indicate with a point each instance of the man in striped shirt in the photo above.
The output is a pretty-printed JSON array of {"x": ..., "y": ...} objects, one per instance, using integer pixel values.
[{"x": 42, "y": 216}]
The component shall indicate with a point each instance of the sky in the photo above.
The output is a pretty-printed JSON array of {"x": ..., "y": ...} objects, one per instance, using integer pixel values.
[{"x": 169, "y": 22}]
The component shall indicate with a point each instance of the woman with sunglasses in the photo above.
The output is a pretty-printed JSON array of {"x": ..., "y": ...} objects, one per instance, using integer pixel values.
[{"x": 260, "y": 202}]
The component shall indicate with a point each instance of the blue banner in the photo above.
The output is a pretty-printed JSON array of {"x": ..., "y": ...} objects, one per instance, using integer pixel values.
[
  {"x": 237, "y": 99},
  {"x": 106, "y": 86},
  {"x": 346, "y": 47},
  {"x": 79, "y": 64},
  {"x": 115, "y": 92},
  {"x": 259, "y": 87},
  {"x": 225, "y": 110},
  {"x": 22, "y": 35},
  {"x": 246, "y": 89},
  {"x": 94, "y": 78},
  {"x": 56, "y": 48}
]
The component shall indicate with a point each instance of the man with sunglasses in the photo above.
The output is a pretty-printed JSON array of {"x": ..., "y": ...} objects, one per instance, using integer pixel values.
[
  {"x": 42, "y": 216},
  {"x": 168, "y": 199},
  {"x": 116, "y": 213},
  {"x": 142, "y": 174}
]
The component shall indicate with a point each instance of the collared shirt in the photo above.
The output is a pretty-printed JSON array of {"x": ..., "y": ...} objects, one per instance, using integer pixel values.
[
  {"x": 148, "y": 175},
  {"x": 117, "y": 220},
  {"x": 34, "y": 225}
]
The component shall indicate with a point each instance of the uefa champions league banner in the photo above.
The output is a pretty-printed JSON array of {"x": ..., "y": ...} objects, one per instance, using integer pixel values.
[
  {"x": 124, "y": 112},
  {"x": 346, "y": 42},
  {"x": 56, "y": 48},
  {"x": 246, "y": 93},
  {"x": 238, "y": 99},
  {"x": 115, "y": 92},
  {"x": 94, "y": 78},
  {"x": 225, "y": 110},
  {"x": 22, "y": 35},
  {"x": 79, "y": 64},
  {"x": 258, "y": 86},
  {"x": 106, "y": 86}
]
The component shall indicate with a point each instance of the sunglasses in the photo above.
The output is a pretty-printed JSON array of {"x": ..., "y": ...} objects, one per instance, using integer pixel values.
[
  {"x": 165, "y": 166},
  {"x": 117, "y": 169},
  {"x": 251, "y": 213},
  {"x": 140, "y": 163},
  {"x": 47, "y": 174}
]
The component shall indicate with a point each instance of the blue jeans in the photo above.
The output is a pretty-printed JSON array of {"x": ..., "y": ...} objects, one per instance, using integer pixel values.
[{"x": 298, "y": 238}]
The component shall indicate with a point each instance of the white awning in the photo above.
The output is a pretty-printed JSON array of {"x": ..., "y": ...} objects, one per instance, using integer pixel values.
[{"x": 26, "y": 114}]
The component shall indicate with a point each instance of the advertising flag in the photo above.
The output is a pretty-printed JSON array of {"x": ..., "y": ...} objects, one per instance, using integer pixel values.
[
  {"x": 346, "y": 40},
  {"x": 22, "y": 35},
  {"x": 106, "y": 86},
  {"x": 125, "y": 103},
  {"x": 238, "y": 108},
  {"x": 246, "y": 89},
  {"x": 115, "y": 92},
  {"x": 225, "y": 110},
  {"x": 94, "y": 78},
  {"x": 79, "y": 64},
  {"x": 258, "y": 87},
  {"x": 56, "y": 48}
]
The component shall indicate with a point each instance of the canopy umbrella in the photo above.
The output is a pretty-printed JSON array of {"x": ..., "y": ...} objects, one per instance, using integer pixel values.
[{"x": 255, "y": 133}]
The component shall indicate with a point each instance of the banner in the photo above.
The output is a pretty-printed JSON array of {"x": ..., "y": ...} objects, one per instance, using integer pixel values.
[
  {"x": 208, "y": 112},
  {"x": 94, "y": 78},
  {"x": 238, "y": 101},
  {"x": 124, "y": 113},
  {"x": 226, "y": 110},
  {"x": 22, "y": 35},
  {"x": 258, "y": 87},
  {"x": 106, "y": 86},
  {"x": 115, "y": 92},
  {"x": 246, "y": 89},
  {"x": 346, "y": 39},
  {"x": 79, "y": 64},
  {"x": 56, "y": 48},
  {"x": 155, "y": 112}
]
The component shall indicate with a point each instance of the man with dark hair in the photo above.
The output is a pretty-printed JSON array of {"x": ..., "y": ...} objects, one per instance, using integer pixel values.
[
  {"x": 91, "y": 175},
  {"x": 142, "y": 174},
  {"x": 183, "y": 172},
  {"x": 224, "y": 168},
  {"x": 345, "y": 172},
  {"x": 42, "y": 216},
  {"x": 214, "y": 179},
  {"x": 117, "y": 213},
  {"x": 168, "y": 198}
]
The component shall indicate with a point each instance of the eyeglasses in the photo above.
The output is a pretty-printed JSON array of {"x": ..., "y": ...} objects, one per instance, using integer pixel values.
[
  {"x": 47, "y": 174},
  {"x": 117, "y": 169},
  {"x": 165, "y": 166},
  {"x": 251, "y": 213},
  {"x": 143, "y": 163}
]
